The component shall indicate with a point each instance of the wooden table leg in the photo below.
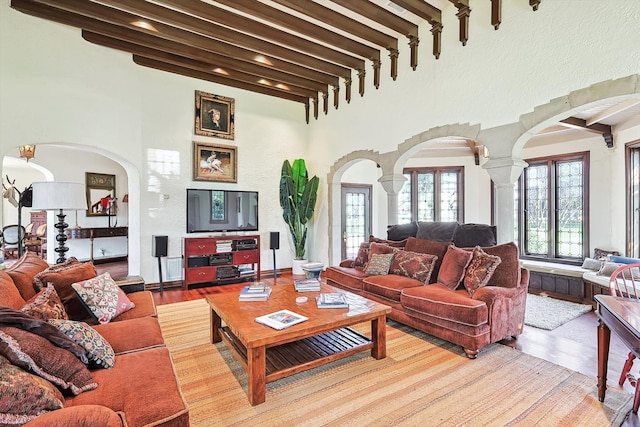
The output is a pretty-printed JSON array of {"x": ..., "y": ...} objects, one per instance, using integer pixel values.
[
  {"x": 256, "y": 373},
  {"x": 379, "y": 337},
  {"x": 216, "y": 323},
  {"x": 604, "y": 337}
]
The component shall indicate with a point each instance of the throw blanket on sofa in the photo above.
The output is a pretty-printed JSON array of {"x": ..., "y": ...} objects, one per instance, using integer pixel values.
[{"x": 17, "y": 319}]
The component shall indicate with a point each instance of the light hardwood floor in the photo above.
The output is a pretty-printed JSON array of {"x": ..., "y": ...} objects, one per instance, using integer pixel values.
[{"x": 572, "y": 345}]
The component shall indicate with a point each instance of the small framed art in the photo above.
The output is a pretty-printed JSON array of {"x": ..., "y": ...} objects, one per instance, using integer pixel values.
[
  {"x": 213, "y": 162},
  {"x": 214, "y": 115}
]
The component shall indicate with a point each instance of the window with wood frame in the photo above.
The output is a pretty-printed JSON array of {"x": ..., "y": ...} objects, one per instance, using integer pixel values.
[
  {"x": 553, "y": 220},
  {"x": 632, "y": 156},
  {"x": 432, "y": 194}
]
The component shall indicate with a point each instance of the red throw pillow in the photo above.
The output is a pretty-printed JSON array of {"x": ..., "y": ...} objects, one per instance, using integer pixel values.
[
  {"x": 363, "y": 255},
  {"x": 454, "y": 265},
  {"x": 414, "y": 265},
  {"x": 480, "y": 270}
]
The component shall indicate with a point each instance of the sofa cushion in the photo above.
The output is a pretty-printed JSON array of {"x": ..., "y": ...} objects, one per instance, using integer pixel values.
[
  {"x": 118, "y": 334},
  {"x": 143, "y": 386},
  {"x": 379, "y": 264},
  {"x": 439, "y": 301},
  {"x": 454, "y": 265},
  {"x": 9, "y": 295},
  {"x": 103, "y": 297},
  {"x": 363, "y": 255},
  {"x": 348, "y": 277},
  {"x": 24, "y": 396},
  {"x": 99, "y": 352},
  {"x": 480, "y": 270},
  {"x": 413, "y": 265},
  {"x": 402, "y": 231},
  {"x": 592, "y": 264},
  {"x": 45, "y": 305},
  {"x": 63, "y": 276},
  {"x": 623, "y": 259},
  {"x": 608, "y": 268},
  {"x": 471, "y": 235},
  {"x": 432, "y": 247},
  {"x": 24, "y": 270},
  {"x": 436, "y": 230},
  {"x": 507, "y": 274},
  {"x": 38, "y": 355},
  {"x": 389, "y": 286},
  {"x": 144, "y": 306}
]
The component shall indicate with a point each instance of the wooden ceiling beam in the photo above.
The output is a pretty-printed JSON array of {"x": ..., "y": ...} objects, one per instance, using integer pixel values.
[
  {"x": 388, "y": 19},
  {"x": 197, "y": 16},
  {"x": 463, "y": 16},
  {"x": 298, "y": 25},
  {"x": 149, "y": 48},
  {"x": 216, "y": 78},
  {"x": 126, "y": 20},
  {"x": 344, "y": 23},
  {"x": 599, "y": 128},
  {"x": 433, "y": 15},
  {"x": 193, "y": 64}
]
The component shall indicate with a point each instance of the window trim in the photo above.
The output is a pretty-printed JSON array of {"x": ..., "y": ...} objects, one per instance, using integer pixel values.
[
  {"x": 552, "y": 255},
  {"x": 632, "y": 238},
  {"x": 414, "y": 171}
]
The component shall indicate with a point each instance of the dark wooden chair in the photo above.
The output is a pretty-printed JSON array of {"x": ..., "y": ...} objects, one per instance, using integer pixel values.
[
  {"x": 625, "y": 283},
  {"x": 12, "y": 237}
]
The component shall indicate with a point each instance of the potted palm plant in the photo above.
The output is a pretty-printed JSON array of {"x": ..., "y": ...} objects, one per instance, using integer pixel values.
[{"x": 298, "y": 196}]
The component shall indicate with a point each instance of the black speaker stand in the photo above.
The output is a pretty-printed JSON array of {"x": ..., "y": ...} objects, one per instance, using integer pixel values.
[
  {"x": 160, "y": 273},
  {"x": 275, "y": 273}
]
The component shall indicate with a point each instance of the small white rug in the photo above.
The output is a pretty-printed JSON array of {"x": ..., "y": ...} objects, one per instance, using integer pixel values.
[{"x": 549, "y": 313}]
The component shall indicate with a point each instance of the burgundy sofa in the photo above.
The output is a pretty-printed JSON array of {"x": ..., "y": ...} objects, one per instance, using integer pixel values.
[
  {"x": 494, "y": 312},
  {"x": 141, "y": 389}
]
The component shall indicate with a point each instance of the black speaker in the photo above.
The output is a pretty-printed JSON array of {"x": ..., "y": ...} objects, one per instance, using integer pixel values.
[
  {"x": 274, "y": 240},
  {"x": 159, "y": 245}
]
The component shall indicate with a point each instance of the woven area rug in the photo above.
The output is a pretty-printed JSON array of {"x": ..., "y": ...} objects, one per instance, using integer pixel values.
[
  {"x": 422, "y": 381},
  {"x": 549, "y": 313}
]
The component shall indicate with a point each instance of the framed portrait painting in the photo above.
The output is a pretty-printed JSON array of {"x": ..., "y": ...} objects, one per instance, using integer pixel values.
[
  {"x": 214, "y": 115},
  {"x": 212, "y": 162}
]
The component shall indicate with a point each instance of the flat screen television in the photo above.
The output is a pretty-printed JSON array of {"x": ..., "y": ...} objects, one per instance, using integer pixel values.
[{"x": 221, "y": 210}]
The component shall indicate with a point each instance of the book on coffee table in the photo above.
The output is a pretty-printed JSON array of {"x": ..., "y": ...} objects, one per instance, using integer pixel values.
[
  {"x": 246, "y": 294},
  {"x": 281, "y": 319},
  {"x": 332, "y": 300}
]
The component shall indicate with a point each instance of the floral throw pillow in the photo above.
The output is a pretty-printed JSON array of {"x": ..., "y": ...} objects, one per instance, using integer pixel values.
[
  {"x": 45, "y": 305},
  {"x": 99, "y": 351},
  {"x": 480, "y": 270},
  {"x": 378, "y": 264},
  {"x": 103, "y": 297},
  {"x": 24, "y": 396}
]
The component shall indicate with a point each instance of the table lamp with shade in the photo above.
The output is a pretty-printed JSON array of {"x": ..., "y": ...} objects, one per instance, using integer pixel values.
[{"x": 54, "y": 195}]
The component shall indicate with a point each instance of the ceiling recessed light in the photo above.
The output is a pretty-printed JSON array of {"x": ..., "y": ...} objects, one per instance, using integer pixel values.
[
  {"x": 220, "y": 71},
  {"x": 265, "y": 82},
  {"x": 145, "y": 25},
  {"x": 282, "y": 86},
  {"x": 261, "y": 59}
]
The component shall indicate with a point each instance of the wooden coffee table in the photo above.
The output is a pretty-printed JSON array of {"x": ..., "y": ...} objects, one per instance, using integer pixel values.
[{"x": 268, "y": 354}]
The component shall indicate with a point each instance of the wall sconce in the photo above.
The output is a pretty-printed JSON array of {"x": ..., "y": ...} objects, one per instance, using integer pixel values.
[
  {"x": 125, "y": 199},
  {"x": 27, "y": 151}
]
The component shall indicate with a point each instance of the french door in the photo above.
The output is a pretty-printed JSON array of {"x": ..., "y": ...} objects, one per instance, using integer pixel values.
[{"x": 356, "y": 218}]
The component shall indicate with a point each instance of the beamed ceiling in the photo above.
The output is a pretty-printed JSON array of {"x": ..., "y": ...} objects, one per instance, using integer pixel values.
[{"x": 311, "y": 52}]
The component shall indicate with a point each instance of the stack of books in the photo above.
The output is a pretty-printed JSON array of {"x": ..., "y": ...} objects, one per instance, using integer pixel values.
[
  {"x": 223, "y": 246},
  {"x": 246, "y": 270},
  {"x": 332, "y": 300},
  {"x": 256, "y": 291},
  {"x": 307, "y": 285}
]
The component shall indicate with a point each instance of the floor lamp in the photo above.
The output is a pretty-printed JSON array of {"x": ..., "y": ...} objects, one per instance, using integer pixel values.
[{"x": 59, "y": 196}]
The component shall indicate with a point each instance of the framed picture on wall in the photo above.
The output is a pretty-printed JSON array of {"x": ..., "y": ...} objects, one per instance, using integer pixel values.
[
  {"x": 213, "y": 162},
  {"x": 214, "y": 115}
]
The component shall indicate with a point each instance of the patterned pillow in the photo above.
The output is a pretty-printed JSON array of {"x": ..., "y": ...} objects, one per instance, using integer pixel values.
[
  {"x": 45, "y": 305},
  {"x": 363, "y": 255},
  {"x": 454, "y": 264},
  {"x": 24, "y": 396},
  {"x": 601, "y": 254},
  {"x": 104, "y": 298},
  {"x": 37, "y": 354},
  {"x": 99, "y": 351},
  {"x": 414, "y": 265},
  {"x": 480, "y": 270},
  {"x": 378, "y": 264}
]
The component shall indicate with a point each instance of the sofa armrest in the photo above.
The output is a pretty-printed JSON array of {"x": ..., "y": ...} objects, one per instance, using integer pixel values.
[
  {"x": 489, "y": 294},
  {"x": 346, "y": 263},
  {"x": 78, "y": 416}
]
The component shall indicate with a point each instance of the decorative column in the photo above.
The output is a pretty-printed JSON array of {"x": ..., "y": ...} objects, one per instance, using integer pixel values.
[
  {"x": 504, "y": 172},
  {"x": 392, "y": 184}
]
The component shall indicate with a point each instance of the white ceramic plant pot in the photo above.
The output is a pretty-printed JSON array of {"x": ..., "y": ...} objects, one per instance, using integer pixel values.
[{"x": 296, "y": 266}]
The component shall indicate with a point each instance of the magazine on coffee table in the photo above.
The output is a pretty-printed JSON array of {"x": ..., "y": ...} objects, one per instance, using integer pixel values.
[{"x": 281, "y": 319}]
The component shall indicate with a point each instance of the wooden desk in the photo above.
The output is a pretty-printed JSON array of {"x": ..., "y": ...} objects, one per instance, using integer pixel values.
[{"x": 621, "y": 316}]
